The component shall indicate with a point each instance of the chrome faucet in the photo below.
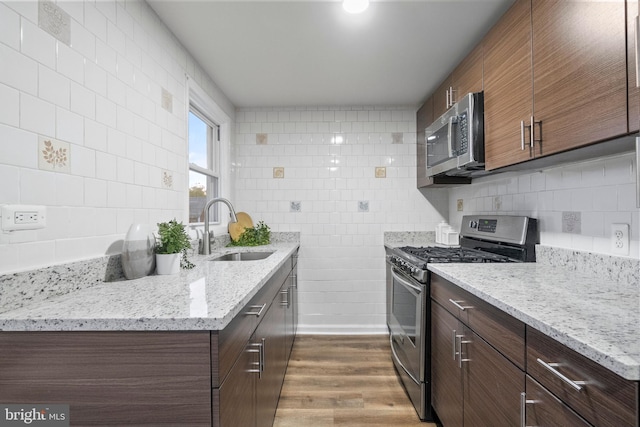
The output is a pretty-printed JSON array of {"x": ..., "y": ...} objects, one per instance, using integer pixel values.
[{"x": 205, "y": 243}]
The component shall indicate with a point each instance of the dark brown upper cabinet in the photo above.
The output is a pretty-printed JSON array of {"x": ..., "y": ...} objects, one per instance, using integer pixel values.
[{"x": 555, "y": 78}]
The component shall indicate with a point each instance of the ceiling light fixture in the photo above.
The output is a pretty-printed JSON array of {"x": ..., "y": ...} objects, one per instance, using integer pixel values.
[{"x": 355, "y": 6}]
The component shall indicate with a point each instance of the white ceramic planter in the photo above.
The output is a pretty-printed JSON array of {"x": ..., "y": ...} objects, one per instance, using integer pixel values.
[{"x": 168, "y": 263}]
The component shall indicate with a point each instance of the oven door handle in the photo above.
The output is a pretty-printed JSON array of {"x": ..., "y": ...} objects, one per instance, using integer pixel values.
[
  {"x": 405, "y": 283},
  {"x": 397, "y": 359}
]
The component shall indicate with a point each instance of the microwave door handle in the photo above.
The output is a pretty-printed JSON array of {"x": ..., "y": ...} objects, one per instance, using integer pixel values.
[{"x": 451, "y": 133}]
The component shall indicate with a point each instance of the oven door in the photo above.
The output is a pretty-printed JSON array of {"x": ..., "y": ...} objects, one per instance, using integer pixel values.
[{"x": 406, "y": 321}]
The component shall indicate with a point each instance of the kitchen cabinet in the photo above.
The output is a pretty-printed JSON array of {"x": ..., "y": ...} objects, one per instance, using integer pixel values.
[
  {"x": 424, "y": 117},
  {"x": 473, "y": 382},
  {"x": 544, "y": 409},
  {"x": 596, "y": 394},
  {"x": 230, "y": 377},
  {"x": 555, "y": 78},
  {"x": 634, "y": 91},
  {"x": 465, "y": 78}
]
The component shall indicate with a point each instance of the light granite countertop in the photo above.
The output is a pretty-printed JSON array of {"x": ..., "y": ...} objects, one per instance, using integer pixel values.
[
  {"x": 206, "y": 297},
  {"x": 591, "y": 314}
]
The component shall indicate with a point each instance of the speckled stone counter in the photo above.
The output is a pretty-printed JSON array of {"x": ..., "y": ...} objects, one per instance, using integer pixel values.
[
  {"x": 206, "y": 297},
  {"x": 593, "y": 315}
]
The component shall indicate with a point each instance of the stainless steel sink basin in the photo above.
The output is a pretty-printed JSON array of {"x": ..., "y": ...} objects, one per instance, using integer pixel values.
[{"x": 242, "y": 256}]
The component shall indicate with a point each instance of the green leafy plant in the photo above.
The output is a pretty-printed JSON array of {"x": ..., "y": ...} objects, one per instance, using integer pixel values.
[
  {"x": 256, "y": 236},
  {"x": 173, "y": 239}
]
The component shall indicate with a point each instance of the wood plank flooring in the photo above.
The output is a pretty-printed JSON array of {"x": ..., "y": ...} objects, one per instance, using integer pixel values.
[{"x": 343, "y": 381}]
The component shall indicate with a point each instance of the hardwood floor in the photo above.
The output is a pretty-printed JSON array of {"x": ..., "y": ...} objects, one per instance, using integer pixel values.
[{"x": 343, "y": 381}]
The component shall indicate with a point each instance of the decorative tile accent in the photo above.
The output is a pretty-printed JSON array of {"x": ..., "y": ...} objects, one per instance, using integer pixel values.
[
  {"x": 295, "y": 206},
  {"x": 262, "y": 138},
  {"x": 397, "y": 138},
  {"x": 278, "y": 172},
  {"x": 53, "y": 155},
  {"x": 54, "y": 21},
  {"x": 167, "y": 100},
  {"x": 381, "y": 172},
  {"x": 363, "y": 206},
  {"x": 167, "y": 179},
  {"x": 572, "y": 222}
]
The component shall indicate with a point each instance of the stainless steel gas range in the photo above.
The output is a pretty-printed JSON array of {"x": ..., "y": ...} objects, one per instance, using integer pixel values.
[{"x": 484, "y": 238}]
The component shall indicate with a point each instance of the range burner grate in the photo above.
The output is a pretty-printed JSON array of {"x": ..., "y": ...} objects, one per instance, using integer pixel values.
[{"x": 456, "y": 255}]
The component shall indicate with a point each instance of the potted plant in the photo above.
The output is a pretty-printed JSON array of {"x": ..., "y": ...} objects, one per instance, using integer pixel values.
[{"x": 171, "y": 249}]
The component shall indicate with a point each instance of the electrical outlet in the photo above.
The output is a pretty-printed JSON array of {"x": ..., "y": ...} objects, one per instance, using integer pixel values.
[
  {"x": 23, "y": 217},
  {"x": 620, "y": 239}
]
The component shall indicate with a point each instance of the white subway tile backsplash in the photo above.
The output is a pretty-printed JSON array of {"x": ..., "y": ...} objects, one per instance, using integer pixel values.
[
  {"x": 10, "y": 188},
  {"x": 95, "y": 193},
  {"x": 37, "y": 115},
  {"x": 37, "y": 44},
  {"x": 37, "y": 187},
  {"x": 69, "y": 190},
  {"x": 53, "y": 87},
  {"x": 9, "y": 27},
  {"x": 83, "y": 161},
  {"x": 95, "y": 78},
  {"x": 83, "y": 41},
  {"x": 69, "y": 126},
  {"x": 83, "y": 101},
  {"x": 95, "y": 21},
  {"x": 70, "y": 63},
  {"x": 22, "y": 75},
  {"x": 9, "y": 107}
]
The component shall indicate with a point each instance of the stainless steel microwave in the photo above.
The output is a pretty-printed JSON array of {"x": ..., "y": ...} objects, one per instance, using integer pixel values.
[{"x": 454, "y": 143}]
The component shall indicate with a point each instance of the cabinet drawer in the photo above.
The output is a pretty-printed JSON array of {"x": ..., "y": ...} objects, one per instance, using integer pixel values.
[
  {"x": 543, "y": 409},
  {"x": 498, "y": 328},
  {"x": 228, "y": 343},
  {"x": 605, "y": 399}
]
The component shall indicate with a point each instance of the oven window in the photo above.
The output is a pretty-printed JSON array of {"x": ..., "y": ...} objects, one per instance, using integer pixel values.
[{"x": 404, "y": 309}]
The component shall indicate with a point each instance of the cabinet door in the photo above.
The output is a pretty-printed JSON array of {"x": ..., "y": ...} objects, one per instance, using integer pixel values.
[
  {"x": 289, "y": 296},
  {"x": 543, "y": 409},
  {"x": 270, "y": 334},
  {"x": 424, "y": 117},
  {"x": 441, "y": 98},
  {"x": 634, "y": 92},
  {"x": 580, "y": 72},
  {"x": 446, "y": 376},
  {"x": 467, "y": 77},
  {"x": 237, "y": 395},
  {"x": 492, "y": 385},
  {"x": 508, "y": 87}
]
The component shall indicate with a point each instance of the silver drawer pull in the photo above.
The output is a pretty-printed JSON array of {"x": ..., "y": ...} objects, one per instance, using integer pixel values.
[
  {"x": 576, "y": 385},
  {"x": 256, "y": 313},
  {"x": 523, "y": 406},
  {"x": 457, "y": 304}
]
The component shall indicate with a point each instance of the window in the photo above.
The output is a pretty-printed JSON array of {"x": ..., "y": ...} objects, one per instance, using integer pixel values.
[{"x": 204, "y": 164}]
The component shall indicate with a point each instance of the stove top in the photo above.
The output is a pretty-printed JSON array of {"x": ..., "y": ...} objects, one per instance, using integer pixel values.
[{"x": 460, "y": 255}]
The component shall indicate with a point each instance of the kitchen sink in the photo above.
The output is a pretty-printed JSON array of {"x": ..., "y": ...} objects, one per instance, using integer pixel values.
[{"x": 242, "y": 256}]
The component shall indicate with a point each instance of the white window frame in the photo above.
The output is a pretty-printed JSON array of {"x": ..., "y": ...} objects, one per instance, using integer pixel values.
[{"x": 200, "y": 101}]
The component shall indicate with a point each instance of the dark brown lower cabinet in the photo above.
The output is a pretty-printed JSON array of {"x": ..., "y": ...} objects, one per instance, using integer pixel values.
[
  {"x": 111, "y": 378},
  {"x": 543, "y": 409},
  {"x": 472, "y": 383}
]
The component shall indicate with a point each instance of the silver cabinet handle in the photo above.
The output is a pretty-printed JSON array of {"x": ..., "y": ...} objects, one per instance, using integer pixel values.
[
  {"x": 522, "y": 135},
  {"x": 533, "y": 138},
  {"x": 523, "y": 407},
  {"x": 638, "y": 172},
  {"x": 446, "y": 101},
  {"x": 285, "y": 301},
  {"x": 256, "y": 313},
  {"x": 637, "y": 49},
  {"x": 454, "y": 337},
  {"x": 460, "y": 342},
  {"x": 576, "y": 385},
  {"x": 457, "y": 304},
  {"x": 257, "y": 348}
]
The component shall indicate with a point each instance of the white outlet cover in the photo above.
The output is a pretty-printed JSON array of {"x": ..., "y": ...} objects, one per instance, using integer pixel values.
[
  {"x": 620, "y": 239},
  {"x": 9, "y": 213}
]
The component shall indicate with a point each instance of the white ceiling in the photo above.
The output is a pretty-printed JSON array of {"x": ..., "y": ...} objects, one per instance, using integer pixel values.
[{"x": 303, "y": 52}]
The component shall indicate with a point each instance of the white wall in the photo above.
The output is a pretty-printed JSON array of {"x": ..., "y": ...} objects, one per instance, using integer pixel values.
[
  {"x": 341, "y": 270},
  {"x": 602, "y": 191},
  {"x": 100, "y": 97}
]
